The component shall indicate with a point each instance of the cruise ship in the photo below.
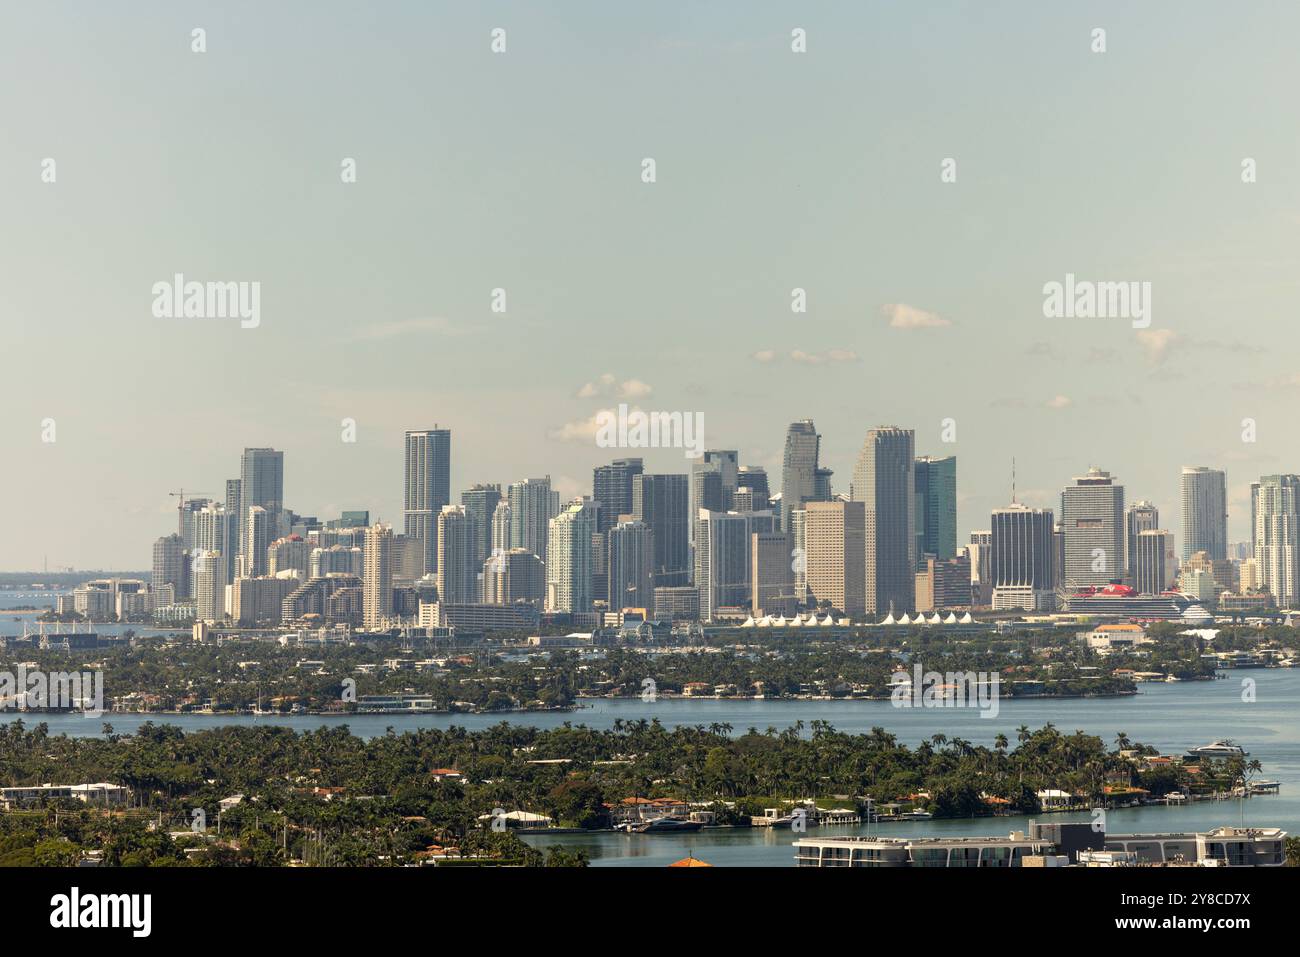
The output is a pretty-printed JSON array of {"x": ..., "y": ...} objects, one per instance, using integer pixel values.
[
  {"x": 1055, "y": 844},
  {"x": 1122, "y": 601}
]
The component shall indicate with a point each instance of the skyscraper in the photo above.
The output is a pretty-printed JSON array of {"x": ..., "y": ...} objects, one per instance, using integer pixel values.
[
  {"x": 500, "y": 528},
  {"x": 706, "y": 491},
  {"x": 723, "y": 549},
  {"x": 257, "y": 538},
  {"x": 427, "y": 488},
  {"x": 611, "y": 487},
  {"x": 209, "y": 585},
  {"x": 754, "y": 478},
  {"x": 532, "y": 506},
  {"x": 1277, "y": 537},
  {"x": 631, "y": 566},
  {"x": 798, "y": 468},
  {"x": 568, "y": 558},
  {"x": 884, "y": 481},
  {"x": 1022, "y": 558},
  {"x": 836, "y": 555},
  {"x": 169, "y": 564},
  {"x": 1092, "y": 523},
  {"x": 1138, "y": 518},
  {"x": 377, "y": 581},
  {"x": 771, "y": 569},
  {"x": 261, "y": 483},
  {"x": 661, "y": 502},
  {"x": 457, "y": 572},
  {"x": 1205, "y": 512},
  {"x": 936, "y": 507},
  {"x": 480, "y": 504},
  {"x": 1152, "y": 550},
  {"x": 514, "y": 575}
]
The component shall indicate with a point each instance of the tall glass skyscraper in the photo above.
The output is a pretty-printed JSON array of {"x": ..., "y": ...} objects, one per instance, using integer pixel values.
[
  {"x": 1205, "y": 513},
  {"x": 611, "y": 487},
  {"x": 661, "y": 501},
  {"x": 427, "y": 479},
  {"x": 798, "y": 469},
  {"x": 936, "y": 507},
  {"x": 885, "y": 481},
  {"x": 1092, "y": 524}
]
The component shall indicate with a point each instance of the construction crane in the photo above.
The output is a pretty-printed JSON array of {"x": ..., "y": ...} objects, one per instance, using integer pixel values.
[{"x": 180, "y": 508}]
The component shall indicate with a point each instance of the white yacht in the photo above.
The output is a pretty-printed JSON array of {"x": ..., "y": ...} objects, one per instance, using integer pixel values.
[{"x": 1219, "y": 749}]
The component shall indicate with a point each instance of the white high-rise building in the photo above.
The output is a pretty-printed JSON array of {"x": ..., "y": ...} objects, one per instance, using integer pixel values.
[
  {"x": 532, "y": 506},
  {"x": 456, "y": 575},
  {"x": 1277, "y": 537},
  {"x": 568, "y": 557},
  {"x": 377, "y": 582},
  {"x": 209, "y": 585},
  {"x": 1205, "y": 513}
]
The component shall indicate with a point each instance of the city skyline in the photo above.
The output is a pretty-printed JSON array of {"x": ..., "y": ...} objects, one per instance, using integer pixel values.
[{"x": 377, "y": 297}]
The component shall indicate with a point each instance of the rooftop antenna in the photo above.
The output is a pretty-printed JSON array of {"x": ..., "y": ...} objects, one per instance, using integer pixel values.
[{"x": 1013, "y": 480}]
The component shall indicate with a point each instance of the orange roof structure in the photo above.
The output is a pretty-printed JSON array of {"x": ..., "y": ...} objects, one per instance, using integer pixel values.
[{"x": 690, "y": 861}]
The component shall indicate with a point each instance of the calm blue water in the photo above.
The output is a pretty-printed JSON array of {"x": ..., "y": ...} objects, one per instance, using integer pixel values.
[{"x": 1172, "y": 717}]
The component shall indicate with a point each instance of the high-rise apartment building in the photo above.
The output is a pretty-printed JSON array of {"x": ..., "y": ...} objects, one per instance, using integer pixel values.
[
  {"x": 377, "y": 580},
  {"x": 532, "y": 506},
  {"x": 611, "y": 487},
  {"x": 631, "y": 566},
  {"x": 1205, "y": 512},
  {"x": 427, "y": 488},
  {"x": 480, "y": 503},
  {"x": 457, "y": 573},
  {"x": 723, "y": 550},
  {"x": 568, "y": 558},
  {"x": 660, "y": 501}
]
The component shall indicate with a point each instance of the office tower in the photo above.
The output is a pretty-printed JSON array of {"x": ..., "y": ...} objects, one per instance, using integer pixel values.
[
  {"x": 532, "y": 506},
  {"x": 1092, "y": 527},
  {"x": 936, "y": 507},
  {"x": 256, "y": 539},
  {"x": 480, "y": 503},
  {"x": 1023, "y": 560},
  {"x": 885, "y": 482},
  {"x": 409, "y": 560},
  {"x": 723, "y": 549},
  {"x": 661, "y": 502},
  {"x": 754, "y": 478},
  {"x": 209, "y": 585},
  {"x": 261, "y": 483},
  {"x": 822, "y": 485},
  {"x": 771, "y": 573},
  {"x": 427, "y": 483},
  {"x": 169, "y": 564},
  {"x": 377, "y": 582},
  {"x": 1138, "y": 518},
  {"x": 611, "y": 487},
  {"x": 631, "y": 566},
  {"x": 980, "y": 550},
  {"x": 836, "y": 557},
  {"x": 500, "y": 528},
  {"x": 1151, "y": 572},
  {"x": 457, "y": 571},
  {"x": 943, "y": 582},
  {"x": 1205, "y": 512},
  {"x": 514, "y": 575},
  {"x": 727, "y": 462},
  {"x": 798, "y": 468},
  {"x": 568, "y": 558}
]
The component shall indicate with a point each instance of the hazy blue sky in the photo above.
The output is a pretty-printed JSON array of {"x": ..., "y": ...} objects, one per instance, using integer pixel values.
[{"x": 522, "y": 171}]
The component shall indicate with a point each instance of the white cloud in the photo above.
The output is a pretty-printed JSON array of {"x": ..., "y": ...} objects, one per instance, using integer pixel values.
[
  {"x": 809, "y": 358},
  {"x": 903, "y": 316},
  {"x": 764, "y": 355},
  {"x": 1157, "y": 343},
  {"x": 1059, "y": 402},
  {"x": 607, "y": 386}
]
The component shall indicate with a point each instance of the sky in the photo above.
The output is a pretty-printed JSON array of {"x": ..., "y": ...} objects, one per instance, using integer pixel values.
[{"x": 523, "y": 171}]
